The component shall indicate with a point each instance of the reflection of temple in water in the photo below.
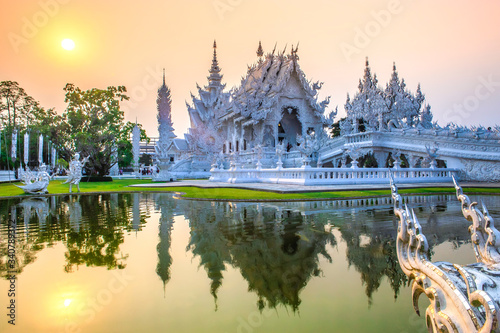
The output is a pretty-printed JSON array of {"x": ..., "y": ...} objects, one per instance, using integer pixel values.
[
  {"x": 276, "y": 251},
  {"x": 275, "y": 246},
  {"x": 166, "y": 206}
]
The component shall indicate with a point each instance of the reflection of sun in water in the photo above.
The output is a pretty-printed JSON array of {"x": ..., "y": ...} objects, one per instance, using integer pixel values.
[
  {"x": 67, "y": 302},
  {"x": 68, "y": 44}
]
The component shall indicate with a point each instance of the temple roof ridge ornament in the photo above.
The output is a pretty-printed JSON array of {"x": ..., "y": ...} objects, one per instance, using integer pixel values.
[
  {"x": 268, "y": 78},
  {"x": 260, "y": 51},
  {"x": 215, "y": 78}
]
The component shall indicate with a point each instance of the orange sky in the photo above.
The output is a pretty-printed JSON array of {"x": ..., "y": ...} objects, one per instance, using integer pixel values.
[{"x": 451, "y": 47}]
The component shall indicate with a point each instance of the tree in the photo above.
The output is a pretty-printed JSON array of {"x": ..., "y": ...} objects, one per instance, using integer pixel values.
[
  {"x": 19, "y": 111},
  {"x": 335, "y": 128},
  {"x": 95, "y": 126},
  {"x": 15, "y": 102},
  {"x": 146, "y": 159}
]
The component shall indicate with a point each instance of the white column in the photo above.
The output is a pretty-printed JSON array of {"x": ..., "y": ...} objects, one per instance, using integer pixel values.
[
  {"x": 54, "y": 157},
  {"x": 13, "y": 152},
  {"x": 26, "y": 148},
  {"x": 40, "y": 150}
]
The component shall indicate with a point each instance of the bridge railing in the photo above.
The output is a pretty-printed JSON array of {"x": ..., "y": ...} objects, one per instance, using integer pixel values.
[{"x": 332, "y": 176}]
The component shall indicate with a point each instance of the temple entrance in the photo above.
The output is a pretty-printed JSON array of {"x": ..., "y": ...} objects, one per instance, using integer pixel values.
[{"x": 289, "y": 126}]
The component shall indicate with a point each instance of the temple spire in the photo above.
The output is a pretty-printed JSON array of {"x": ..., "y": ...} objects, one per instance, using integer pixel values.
[
  {"x": 164, "y": 77},
  {"x": 260, "y": 51},
  {"x": 215, "y": 78}
]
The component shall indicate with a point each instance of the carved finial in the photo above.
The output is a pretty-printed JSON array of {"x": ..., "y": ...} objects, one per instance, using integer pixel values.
[
  {"x": 260, "y": 51},
  {"x": 284, "y": 50},
  {"x": 164, "y": 77},
  {"x": 394, "y": 66},
  {"x": 215, "y": 77},
  {"x": 275, "y": 45},
  {"x": 367, "y": 63}
]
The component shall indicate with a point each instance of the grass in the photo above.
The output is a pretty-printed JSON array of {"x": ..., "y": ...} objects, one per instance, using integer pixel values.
[{"x": 122, "y": 185}]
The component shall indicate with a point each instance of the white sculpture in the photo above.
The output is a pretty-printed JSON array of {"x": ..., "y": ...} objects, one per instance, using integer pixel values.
[
  {"x": 35, "y": 183},
  {"x": 463, "y": 298},
  {"x": 75, "y": 172},
  {"x": 432, "y": 155}
]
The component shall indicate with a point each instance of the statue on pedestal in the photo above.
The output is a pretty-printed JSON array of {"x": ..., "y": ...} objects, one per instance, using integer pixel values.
[{"x": 75, "y": 171}]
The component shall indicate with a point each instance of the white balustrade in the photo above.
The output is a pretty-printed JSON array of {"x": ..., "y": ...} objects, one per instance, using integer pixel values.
[
  {"x": 332, "y": 176},
  {"x": 6, "y": 176}
]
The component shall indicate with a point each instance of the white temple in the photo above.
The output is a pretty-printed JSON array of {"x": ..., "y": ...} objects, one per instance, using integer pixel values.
[{"x": 272, "y": 128}]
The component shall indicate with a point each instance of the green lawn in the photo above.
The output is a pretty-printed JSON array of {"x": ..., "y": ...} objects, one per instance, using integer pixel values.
[{"x": 56, "y": 187}]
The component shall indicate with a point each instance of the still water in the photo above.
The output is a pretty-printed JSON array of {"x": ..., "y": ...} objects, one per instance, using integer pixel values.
[{"x": 151, "y": 263}]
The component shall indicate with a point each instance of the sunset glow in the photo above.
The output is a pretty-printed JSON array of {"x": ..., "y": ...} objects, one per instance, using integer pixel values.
[
  {"x": 450, "y": 55},
  {"x": 68, "y": 44}
]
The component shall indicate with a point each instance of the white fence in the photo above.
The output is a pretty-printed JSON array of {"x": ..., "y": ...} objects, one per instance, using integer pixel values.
[
  {"x": 333, "y": 176},
  {"x": 6, "y": 176}
]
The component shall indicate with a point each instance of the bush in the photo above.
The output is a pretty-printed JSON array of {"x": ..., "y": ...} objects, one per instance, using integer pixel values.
[{"x": 93, "y": 179}]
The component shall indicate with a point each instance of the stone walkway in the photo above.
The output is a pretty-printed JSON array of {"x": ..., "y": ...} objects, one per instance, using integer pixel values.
[{"x": 281, "y": 188}]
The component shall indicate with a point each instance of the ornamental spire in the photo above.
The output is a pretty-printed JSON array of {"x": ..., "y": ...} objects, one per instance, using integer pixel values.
[
  {"x": 215, "y": 78},
  {"x": 260, "y": 51},
  {"x": 164, "y": 107}
]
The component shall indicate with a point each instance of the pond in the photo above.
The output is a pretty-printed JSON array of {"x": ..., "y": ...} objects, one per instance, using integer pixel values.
[{"x": 149, "y": 262}]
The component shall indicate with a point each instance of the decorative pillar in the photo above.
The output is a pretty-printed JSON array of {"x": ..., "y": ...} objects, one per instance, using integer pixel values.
[
  {"x": 54, "y": 157},
  {"x": 396, "y": 155},
  {"x": 13, "y": 153},
  {"x": 114, "y": 169},
  {"x": 26, "y": 149},
  {"x": 136, "y": 140},
  {"x": 40, "y": 149}
]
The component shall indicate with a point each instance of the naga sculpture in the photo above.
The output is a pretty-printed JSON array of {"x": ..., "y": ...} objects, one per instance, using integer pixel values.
[
  {"x": 75, "y": 172},
  {"x": 462, "y": 298}
]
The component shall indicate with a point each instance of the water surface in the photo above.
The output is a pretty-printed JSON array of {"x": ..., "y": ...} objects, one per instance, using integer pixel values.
[{"x": 147, "y": 262}]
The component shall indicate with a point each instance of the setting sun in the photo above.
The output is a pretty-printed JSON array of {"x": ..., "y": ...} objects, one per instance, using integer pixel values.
[{"x": 68, "y": 44}]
